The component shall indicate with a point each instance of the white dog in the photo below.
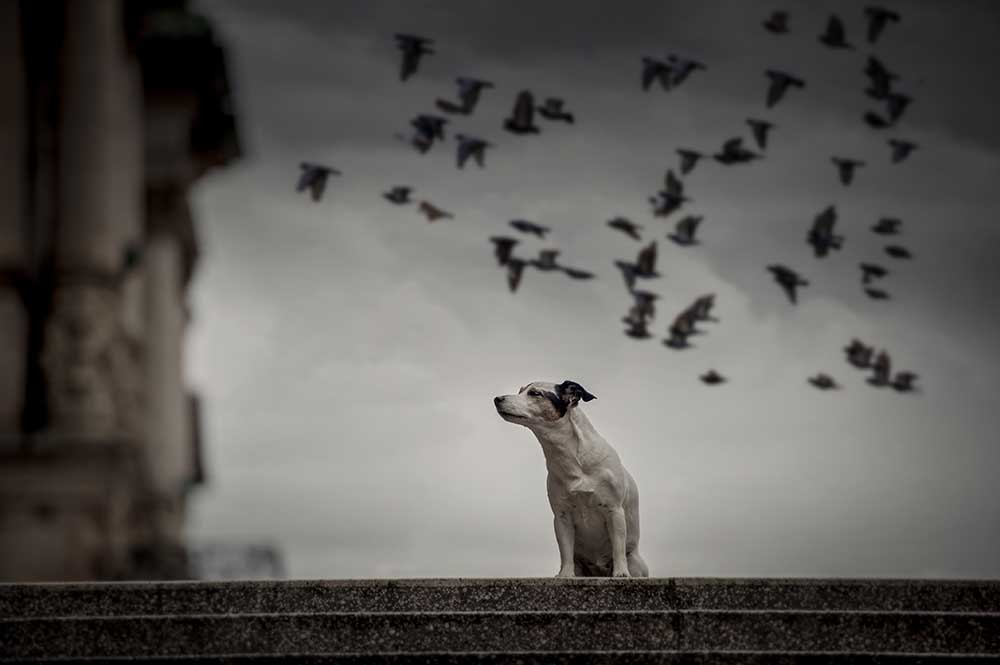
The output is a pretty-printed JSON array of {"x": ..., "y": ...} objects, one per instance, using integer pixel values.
[{"x": 593, "y": 498}]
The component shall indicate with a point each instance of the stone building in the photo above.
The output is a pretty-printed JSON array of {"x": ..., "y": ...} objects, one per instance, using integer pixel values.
[{"x": 112, "y": 110}]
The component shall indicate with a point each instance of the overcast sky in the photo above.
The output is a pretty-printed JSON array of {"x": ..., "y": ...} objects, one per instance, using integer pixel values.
[{"x": 348, "y": 351}]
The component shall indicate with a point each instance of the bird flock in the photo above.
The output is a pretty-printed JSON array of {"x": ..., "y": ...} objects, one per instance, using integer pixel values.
[{"x": 428, "y": 129}]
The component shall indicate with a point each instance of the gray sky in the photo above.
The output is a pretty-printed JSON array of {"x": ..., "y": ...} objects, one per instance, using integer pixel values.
[{"x": 348, "y": 351}]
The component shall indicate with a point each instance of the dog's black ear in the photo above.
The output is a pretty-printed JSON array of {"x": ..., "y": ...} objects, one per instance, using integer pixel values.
[{"x": 572, "y": 392}]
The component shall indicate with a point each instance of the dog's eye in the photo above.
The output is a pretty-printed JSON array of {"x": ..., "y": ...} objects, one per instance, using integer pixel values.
[{"x": 534, "y": 393}]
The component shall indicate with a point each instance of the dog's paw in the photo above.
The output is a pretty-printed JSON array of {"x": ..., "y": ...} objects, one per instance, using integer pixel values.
[
  {"x": 566, "y": 573},
  {"x": 620, "y": 573}
]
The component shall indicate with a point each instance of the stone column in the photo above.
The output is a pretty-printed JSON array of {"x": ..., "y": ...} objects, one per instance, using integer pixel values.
[
  {"x": 13, "y": 249},
  {"x": 82, "y": 336}
]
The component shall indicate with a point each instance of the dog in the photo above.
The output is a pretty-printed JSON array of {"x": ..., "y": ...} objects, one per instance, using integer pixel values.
[{"x": 594, "y": 500}]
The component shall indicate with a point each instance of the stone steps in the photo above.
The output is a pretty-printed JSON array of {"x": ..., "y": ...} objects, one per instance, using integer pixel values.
[{"x": 514, "y": 620}]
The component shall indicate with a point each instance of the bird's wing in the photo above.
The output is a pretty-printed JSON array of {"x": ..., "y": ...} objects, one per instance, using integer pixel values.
[
  {"x": 524, "y": 109},
  {"x": 673, "y": 184},
  {"x": 776, "y": 89},
  {"x": 647, "y": 258}
]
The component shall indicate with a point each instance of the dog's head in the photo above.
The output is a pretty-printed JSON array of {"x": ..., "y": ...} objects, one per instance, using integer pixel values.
[{"x": 541, "y": 403}]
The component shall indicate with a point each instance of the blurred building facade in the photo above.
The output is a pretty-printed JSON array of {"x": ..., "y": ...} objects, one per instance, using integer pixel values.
[{"x": 112, "y": 110}]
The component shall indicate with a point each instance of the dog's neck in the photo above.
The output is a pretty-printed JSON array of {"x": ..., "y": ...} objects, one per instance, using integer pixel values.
[{"x": 567, "y": 444}]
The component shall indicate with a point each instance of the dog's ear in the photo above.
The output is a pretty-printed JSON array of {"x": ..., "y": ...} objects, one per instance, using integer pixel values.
[{"x": 572, "y": 392}]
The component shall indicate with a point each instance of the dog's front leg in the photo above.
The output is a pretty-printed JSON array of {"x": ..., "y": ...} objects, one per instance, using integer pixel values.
[
  {"x": 565, "y": 533},
  {"x": 616, "y": 531}
]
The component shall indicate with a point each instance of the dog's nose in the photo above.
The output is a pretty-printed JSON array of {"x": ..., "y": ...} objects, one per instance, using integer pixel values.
[{"x": 497, "y": 400}]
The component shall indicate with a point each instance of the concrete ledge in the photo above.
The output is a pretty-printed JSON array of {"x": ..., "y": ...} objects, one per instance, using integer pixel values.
[{"x": 472, "y": 595}]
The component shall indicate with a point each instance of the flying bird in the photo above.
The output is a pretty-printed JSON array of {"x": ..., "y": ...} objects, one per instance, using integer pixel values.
[
  {"x": 682, "y": 68},
  {"x": 896, "y": 103},
  {"x": 313, "y": 178},
  {"x": 701, "y": 308},
  {"x": 552, "y": 109},
  {"x": 788, "y": 279},
  {"x": 876, "y": 294},
  {"x": 821, "y": 235},
  {"x": 733, "y": 152},
  {"x": 780, "y": 83},
  {"x": 846, "y": 168},
  {"x": 881, "y": 367},
  {"x": 629, "y": 228},
  {"x": 880, "y": 77},
  {"x": 760, "y": 129},
  {"x": 875, "y": 121},
  {"x": 400, "y": 195},
  {"x": 655, "y": 70},
  {"x": 689, "y": 158},
  {"x": 901, "y": 149},
  {"x": 638, "y": 327},
  {"x": 503, "y": 248},
  {"x": 834, "y": 34},
  {"x": 413, "y": 48},
  {"x": 576, "y": 273},
  {"x": 897, "y": 252},
  {"x": 680, "y": 329},
  {"x": 645, "y": 263},
  {"x": 903, "y": 382},
  {"x": 665, "y": 203},
  {"x": 469, "y": 90},
  {"x": 859, "y": 354},
  {"x": 871, "y": 271},
  {"x": 428, "y": 128},
  {"x": 470, "y": 146},
  {"x": 515, "y": 269},
  {"x": 878, "y": 17},
  {"x": 546, "y": 260},
  {"x": 887, "y": 226},
  {"x": 777, "y": 23},
  {"x": 712, "y": 378},
  {"x": 433, "y": 213},
  {"x": 644, "y": 302},
  {"x": 823, "y": 381},
  {"x": 525, "y": 226},
  {"x": 628, "y": 271},
  {"x": 685, "y": 230},
  {"x": 521, "y": 120}
]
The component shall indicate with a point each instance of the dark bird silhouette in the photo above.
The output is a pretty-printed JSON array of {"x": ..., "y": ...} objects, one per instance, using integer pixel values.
[
  {"x": 878, "y": 17},
  {"x": 433, "y": 213},
  {"x": 645, "y": 263},
  {"x": 413, "y": 48},
  {"x": 546, "y": 260},
  {"x": 760, "y": 129},
  {"x": 576, "y": 273},
  {"x": 524, "y": 226},
  {"x": 821, "y": 235},
  {"x": 552, "y": 109},
  {"x": 665, "y": 203},
  {"x": 470, "y": 146},
  {"x": 846, "y": 168},
  {"x": 522, "y": 117},
  {"x": 880, "y": 77},
  {"x": 682, "y": 327},
  {"x": 689, "y": 159},
  {"x": 638, "y": 326},
  {"x": 701, "y": 308},
  {"x": 876, "y": 294},
  {"x": 629, "y": 228},
  {"x": 469, "y": 90},
  {"x": 898, "y": 252},
  {"x": 901, "y": 149},
  {"x": 788, "y": 279},
  {"x": 777, "y": 23},
  {"x": 859, "y": 354},
  {"x": 780, "y": 83},
  {"x": 682, "y": 68},
  {"x": 645, "y": 302},
  {"x": 655, "y": 70},
  {"x": 881, "y": 369},
  {"x": 685, "y": 230},
  {"x": 870, "y": 271},
  {"x": 903, "y": 382},
  {"x": 733, "y": 152},
  {"x": 313, "y": 178},
  {"x": 428, "y": 128},
  {"x": 515, "y": 270},
  {"x": 628, "y": 271},
  {"x": 875, "y": 121},
  {"x": 834, "y": 36},
  {"x": 399, "y": 195},
  {"x": 887, "y": 226},
  {"x": 823, "y": 381},
  {"x": 503, "y": 248},
  {"x": 712, "y": 378},
  {"x": 896, "y": 103}
]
